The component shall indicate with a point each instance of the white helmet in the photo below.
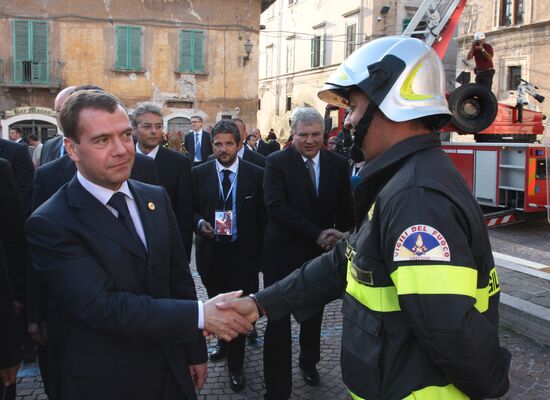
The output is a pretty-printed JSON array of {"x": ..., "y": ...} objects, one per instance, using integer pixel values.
[
  {"x": 401, "y": 75},
  {"x": 479, "y": 36}
]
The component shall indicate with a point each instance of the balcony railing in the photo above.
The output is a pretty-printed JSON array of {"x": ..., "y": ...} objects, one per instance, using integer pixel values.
[{"x": 30, "y": 75}]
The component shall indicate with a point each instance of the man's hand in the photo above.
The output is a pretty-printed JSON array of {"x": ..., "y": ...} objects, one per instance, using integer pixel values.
[
  {"x": 38, "y": 332},
  {"x": 225, "y": 324},
  {"x": 198, "y": 374},
  {"x": 206, "y": 230},
  {"x": 8, "y": 376},
  {"x": 328, "y": 238},
  {"x": 245, "y": 306}
]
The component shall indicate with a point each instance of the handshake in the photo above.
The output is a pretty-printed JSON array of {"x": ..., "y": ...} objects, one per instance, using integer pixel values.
[
  {"x": 228, "y": 314},
  {"x": 329, "y": 237}
]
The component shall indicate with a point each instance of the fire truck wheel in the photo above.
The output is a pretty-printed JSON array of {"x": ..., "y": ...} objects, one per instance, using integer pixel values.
[{"x": 474, "y": 107}]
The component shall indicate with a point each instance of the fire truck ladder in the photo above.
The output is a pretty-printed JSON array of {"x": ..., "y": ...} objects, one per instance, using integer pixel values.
[{"x": 435, "y": 23}]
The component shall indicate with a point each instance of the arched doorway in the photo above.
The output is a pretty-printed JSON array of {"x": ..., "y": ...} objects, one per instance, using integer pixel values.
[
  {"x": 180, "y": 125},
  {"x": 43, "y": 126}
]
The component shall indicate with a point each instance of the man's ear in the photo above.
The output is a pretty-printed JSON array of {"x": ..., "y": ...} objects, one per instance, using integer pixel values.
[{"x": 71, "y": 149}]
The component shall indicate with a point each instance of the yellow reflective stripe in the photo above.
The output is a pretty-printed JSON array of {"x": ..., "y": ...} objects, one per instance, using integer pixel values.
[
  {"x": 382, "y": 299},
  {"x": 484, "y": 294},
  {"x": 435, "y": 279},
  {"x": 449, "y": 392},
  {"x": 407, "y": 90}
]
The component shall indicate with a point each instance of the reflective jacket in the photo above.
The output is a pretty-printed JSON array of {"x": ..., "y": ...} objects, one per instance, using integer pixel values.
[{"x": 421, "y": 292}]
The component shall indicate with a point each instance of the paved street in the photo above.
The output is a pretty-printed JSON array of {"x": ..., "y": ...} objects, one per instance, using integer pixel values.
[{"x": 530, "y": 372}]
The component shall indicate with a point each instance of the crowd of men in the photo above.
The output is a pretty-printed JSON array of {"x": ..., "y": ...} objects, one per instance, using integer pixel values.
[
  {"x": 100, "y": 269},
  {"x": 222, "y": 189}
]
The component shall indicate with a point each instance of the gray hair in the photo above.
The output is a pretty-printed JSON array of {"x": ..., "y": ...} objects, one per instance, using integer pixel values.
[
  {"x": 305, "y": 115},
  {"x": 145, "y": 108}
]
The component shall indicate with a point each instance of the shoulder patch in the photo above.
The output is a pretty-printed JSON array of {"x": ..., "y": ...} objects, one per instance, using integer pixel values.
[{"x": 421, "y": 242}]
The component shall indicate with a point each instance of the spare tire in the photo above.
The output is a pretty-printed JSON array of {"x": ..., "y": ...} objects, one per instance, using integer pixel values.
[{"x": 474, "y": 107}]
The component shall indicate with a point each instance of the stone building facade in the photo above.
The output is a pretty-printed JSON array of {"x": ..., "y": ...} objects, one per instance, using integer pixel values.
[{"x": 189, "y": 57}]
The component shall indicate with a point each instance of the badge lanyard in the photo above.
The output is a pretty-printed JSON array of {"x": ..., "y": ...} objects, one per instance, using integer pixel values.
[{"x": 229, "y": 192}]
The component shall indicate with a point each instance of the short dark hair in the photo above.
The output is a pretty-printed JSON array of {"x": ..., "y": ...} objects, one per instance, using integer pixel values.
[
  {"x": 226, "y": 126},
  {"x": 250, "y": 135},
  {"x": 32, "y": 136},
  {"x": 197, "y": 117},
  {"x": 145, "y": 108},
  {"x": 239, "y": 120},
  {"x": 69, "y": 116},
  {"x": 16, "y": 129}
]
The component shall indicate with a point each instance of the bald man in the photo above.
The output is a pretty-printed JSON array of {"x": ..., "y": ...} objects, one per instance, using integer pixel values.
[{"x": 54, "y": 148}]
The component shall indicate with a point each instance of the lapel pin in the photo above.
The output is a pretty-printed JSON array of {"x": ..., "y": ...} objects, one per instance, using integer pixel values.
[{"x": 151, "y": 206}]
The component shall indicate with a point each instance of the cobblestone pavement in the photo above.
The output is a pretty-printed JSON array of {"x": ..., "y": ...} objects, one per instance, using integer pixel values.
[{"x": 530, "y": 373}]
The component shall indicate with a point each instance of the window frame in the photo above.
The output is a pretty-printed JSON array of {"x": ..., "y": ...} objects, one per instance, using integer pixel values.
[
  {"x": 192, "y": 59},
  {"x": 39, "y": 71},
  {"x": 128, "y": 65}
]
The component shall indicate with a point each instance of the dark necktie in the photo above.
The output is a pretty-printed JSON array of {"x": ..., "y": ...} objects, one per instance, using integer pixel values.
[
  {"x": 311, "y": 169},
  {"x": 226, "y": 186},
  {"x": 197, "y": 148},
  {"x": 118, "y": 202}
]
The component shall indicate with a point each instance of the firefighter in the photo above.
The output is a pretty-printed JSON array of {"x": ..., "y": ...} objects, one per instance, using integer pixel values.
[{"x": 420, "y": 290}]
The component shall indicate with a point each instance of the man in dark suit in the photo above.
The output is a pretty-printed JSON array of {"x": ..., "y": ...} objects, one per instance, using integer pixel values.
[
  {"x": 197, "y": 139},
  {"x": 308, "y": 200},
  {"x": 173, "y": 168},
  {"x": 12, "y": 243},
  {"x": 123, "y": 319},
  {"x": 16, "y": 136},
  {"x": 229, "y": 217},
  {"x": 23, "y": 168},
  {"x": 245, "y": 153},
  {"x": 54, "y": 148},
  {"x": 261, "y": 146}
]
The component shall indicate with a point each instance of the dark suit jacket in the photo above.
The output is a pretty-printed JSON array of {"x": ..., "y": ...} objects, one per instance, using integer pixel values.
[
  {"x": 273, "y": 146},
  {"x": 250, "y": 156},
  {"x": 23, "y": 168},
  {"x": 206, "y": 145},
  {"x": 47, "y": 180},
  {"x": 115, "y": 318},
  {"x": 51, "y": 150},
  {"x": 296, "y": 214},
  {"x": 262, "y": 148},
  {"x": 250, "y": 213},
  {"x": 10, "y": 340},
  {"x": 12, "y": 234},
  {"x": 174, "y": 172}
]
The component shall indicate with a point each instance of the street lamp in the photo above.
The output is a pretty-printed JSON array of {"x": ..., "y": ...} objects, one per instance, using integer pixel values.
[{"x": 248, "y": 49}]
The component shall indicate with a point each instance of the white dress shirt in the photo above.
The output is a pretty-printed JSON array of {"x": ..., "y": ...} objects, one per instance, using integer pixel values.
[
  {"x": 317, "y": 167},
  {"x": 152, "y": 153}
]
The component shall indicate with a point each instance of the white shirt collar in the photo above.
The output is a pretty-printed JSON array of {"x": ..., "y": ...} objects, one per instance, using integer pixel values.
[
  {"x": 198, "y": 132},
  {"x": 233, "y": 168},
  {"x": 240, "y": 153},
  {"x": 314, "y": 159},
  {"x": 101, "y": 193},
  {"x": 152, "y": 153}
]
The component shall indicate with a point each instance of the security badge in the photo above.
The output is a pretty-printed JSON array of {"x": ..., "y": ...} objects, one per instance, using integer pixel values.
[
  {"x": 360, "y": 275},
  {"x": 421, "y": 243},
  {"x": 223, "y": 223}
]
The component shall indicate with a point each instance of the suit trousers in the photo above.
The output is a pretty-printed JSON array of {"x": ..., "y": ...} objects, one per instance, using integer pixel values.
[
  {"x": 229, "y": 274},
  {"x": 278, "y": 353}
]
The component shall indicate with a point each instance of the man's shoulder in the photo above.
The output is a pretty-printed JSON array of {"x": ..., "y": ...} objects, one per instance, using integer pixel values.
[
  {"x": 12, "y": 147},
  {"x": 172, "y": 155},
  {"x": 250, "y": 167},
  {"x": 204, "y": 167}
]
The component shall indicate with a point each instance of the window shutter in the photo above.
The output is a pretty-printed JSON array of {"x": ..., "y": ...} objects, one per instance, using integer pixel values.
[
  {"x": 185, "y": 51},
  {"x": 198, "y": 56},
  {"x": 121, "y": 48},
  {"x": 20, "y": 48},
  {"x": 39, "y": 51},
  {"x": 322, "y": 40},
  {"x": 313, "y": 51},
  {"x": 134, "y": 48}
]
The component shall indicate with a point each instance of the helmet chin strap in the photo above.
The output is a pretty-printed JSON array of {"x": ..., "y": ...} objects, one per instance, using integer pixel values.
[{"x": 363, "y": 126}]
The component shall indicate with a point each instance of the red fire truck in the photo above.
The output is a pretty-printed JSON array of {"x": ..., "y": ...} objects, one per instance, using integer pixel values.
[{"x": 505, "y": 169}]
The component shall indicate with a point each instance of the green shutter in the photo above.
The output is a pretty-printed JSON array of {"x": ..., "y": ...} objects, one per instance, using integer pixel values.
[
  {"x": 186, "y": 51},
  {"x": 39, "y": 51},
  {"x": 134, "y": 48},
  {"x": 121, "y": 47},
  {"x": 198, "y": 56},
  {"x": 21, "y": 48},
  {"x": 322, "y": 40}
]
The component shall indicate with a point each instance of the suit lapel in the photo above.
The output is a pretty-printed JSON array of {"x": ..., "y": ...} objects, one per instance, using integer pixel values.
[
  {"x": 325, "y": 171},
  {"x": 243, "y": 183},
  {"x": 147, "y": 213},
  {"x": 94, "y": 214}
]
